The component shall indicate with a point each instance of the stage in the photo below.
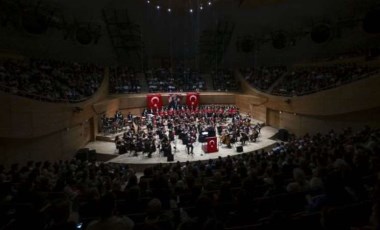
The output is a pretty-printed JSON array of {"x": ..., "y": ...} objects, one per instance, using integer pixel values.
[{"x": 180, "y": 154}]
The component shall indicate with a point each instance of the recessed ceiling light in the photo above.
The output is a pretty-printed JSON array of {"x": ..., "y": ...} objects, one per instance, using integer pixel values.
[
  {"x": 158, "y": 7},
  {"x": 191, "y": 10},
  {"x": 148, "y": 1},
  {"x": 169, "y": 10},
  {"x": 209, "y": 3}
]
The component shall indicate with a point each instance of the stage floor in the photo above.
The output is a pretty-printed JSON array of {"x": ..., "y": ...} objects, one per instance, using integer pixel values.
[{"x": 106, "y": 147}]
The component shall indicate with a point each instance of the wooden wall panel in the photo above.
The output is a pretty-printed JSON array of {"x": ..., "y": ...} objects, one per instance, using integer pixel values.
[
  {"x": 132, "y": 101},
  {"x": 273, "y": 118},
  {"x": 217, "y": 98},
  {"x": 106, "y": 106},
  {"x": 259, "y": 112},
  {"x": 252, "y": 104},
  {"x": 61, "y": 145},
  {"x": 301, "y": 124}
]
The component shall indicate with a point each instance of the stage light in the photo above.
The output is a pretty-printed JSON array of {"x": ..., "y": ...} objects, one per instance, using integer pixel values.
[
  {"x": 169, "y": 10},
  {"x": 191, "y": 10},
  {"x": 158, "y": 7}
]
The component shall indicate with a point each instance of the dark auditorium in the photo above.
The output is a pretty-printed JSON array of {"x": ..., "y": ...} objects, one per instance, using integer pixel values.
[{"x": 190, "y": 114}]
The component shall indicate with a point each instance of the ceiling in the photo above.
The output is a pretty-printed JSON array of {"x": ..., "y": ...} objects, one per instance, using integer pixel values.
[{"x": 181, "y": 30}]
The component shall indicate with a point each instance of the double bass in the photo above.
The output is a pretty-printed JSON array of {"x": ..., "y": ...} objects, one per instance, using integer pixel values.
[{"x": 226, "y": 139}]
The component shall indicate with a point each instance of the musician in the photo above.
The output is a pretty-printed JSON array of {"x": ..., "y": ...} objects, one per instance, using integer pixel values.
[
  {"x": 129, "y": 116},
  {"x": 171, "y": 135},
  {"x": 118, "y": 116},
  {"x": 149, "y": 126},
  {"x": 166, "y": 148},
  {"x": 152, "y": 147},
  {"x": 243, "y": 138},
  {"x": 189, "y": 145},
  {"x": 258, "y": 127},
  {"x": 254, "y": 135},
  {"x": 118, "y": 144}
]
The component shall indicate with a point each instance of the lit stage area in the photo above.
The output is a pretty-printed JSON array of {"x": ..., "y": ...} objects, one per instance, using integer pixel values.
[{"x": 103, "y": 147}]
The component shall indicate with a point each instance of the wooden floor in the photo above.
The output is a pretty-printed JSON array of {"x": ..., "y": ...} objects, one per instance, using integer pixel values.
[{"x": 107, "y": 147}]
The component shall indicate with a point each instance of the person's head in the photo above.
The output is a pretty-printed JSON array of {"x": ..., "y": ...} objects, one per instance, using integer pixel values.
[
  {"x": 107, "y": 205},
  {"x": 60, "y": 211},
  {"x": 154, "y": 207},
  {"x": 298, "y": 175}
]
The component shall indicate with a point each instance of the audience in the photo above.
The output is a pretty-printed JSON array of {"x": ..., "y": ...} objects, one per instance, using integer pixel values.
[
  {"x": 263, "y": 77},
  {"x": 167, "y": 80},
  {"x": 224, "y": 80},
  {"x": 124, "y": 80},
  {"x": 50, "y": 80},
  {"x": 305, "y": 182},
  {"x": 312, "y": 79},
  {"x": 108, "y": 220}
]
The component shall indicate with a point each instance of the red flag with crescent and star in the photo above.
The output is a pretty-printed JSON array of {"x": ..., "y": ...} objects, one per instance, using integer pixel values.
[
  {"x": 212, "y": 145},
  {"x": 154, "y": 101},
  {"x": 192, "y": 99}
]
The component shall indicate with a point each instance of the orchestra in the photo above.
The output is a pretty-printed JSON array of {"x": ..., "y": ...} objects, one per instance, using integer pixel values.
[{"x": 155, "y": 130}]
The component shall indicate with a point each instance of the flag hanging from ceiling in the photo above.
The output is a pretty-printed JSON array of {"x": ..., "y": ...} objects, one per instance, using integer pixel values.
[
  {"x": 154, "y": 101},
  {"x": 192, "y": 99}
]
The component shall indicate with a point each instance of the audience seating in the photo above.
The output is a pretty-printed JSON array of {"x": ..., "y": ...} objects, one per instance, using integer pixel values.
[{"x": 49, "y": 80}]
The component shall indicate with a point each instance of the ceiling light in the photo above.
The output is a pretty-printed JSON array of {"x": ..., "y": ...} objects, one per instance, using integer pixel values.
[
  {"x": 169, "y": 10},
  {"x": 209, "y": 3},
  {"x": 158, "y": 7},
  {"x": 148, "y": 1},
  {"x": 191, "y": 10},
  {"x": 201, "y": 7}
]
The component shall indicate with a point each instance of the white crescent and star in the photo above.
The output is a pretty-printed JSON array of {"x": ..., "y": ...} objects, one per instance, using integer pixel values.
[
  {"x": 212, "y": 142},
  {"x": 153, "y": 99},
  {"x": 193, "y": 98}
]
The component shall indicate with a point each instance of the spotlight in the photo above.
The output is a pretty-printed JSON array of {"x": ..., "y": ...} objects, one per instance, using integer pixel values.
[
  {"x": 201, "y": 7},
  {"x": 209, "y": 3},
  {"x": 148, "y": 1},
  {"x": 191, "y": 10},
  {"x": 158, "y": 7},
  {"x": 169, "y": 10}
]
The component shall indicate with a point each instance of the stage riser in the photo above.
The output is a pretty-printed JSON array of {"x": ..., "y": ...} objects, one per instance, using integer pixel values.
[{"x": 105, "y": 138}]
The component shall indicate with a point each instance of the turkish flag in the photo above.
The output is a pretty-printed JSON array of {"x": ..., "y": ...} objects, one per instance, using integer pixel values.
[
  {"x": 154, "y": 101},
  {"x": 212, "y": 144},
  {"x": 192, "y": 99}
]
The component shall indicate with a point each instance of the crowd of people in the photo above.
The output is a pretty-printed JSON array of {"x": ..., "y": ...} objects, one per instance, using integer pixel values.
[
  {"x": 180, "y": 80},
  {"x": 312, "y": 79},
  {"x": 155, "y": 130},
  {"x": 263, "y": 77},
  {"x": 321, "y": 181},
  {"x": 123, "y": 80},
  {"x": 50, "y": 80},
  {"x": 224, "y": 80}
]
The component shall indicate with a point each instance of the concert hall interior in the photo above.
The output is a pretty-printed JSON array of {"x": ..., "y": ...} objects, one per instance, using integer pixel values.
[{"x": 189, "y": 114}]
